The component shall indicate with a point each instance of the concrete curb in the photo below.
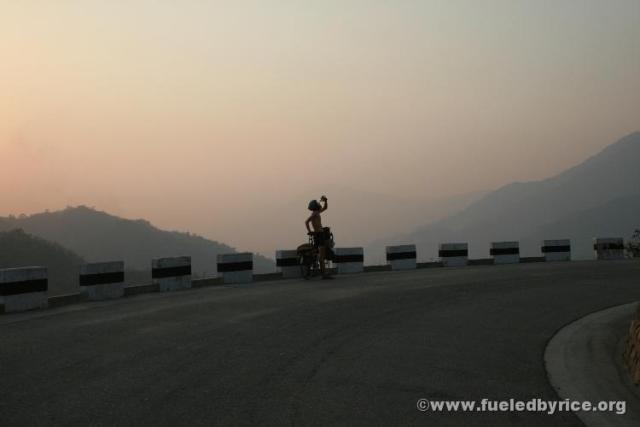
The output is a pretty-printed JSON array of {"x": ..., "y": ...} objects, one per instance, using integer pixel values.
[
  {"x": 62, "y": 300},
  {"x": 267, "y": 276},
  {"x": 527, "y": 259},
  {"x": 436, "y": 264},
  {"x": 376, "y": 268},
  {"x": 202, "y": 283},
  {"x": 141, "y": 289},
  {"x": 584, "y": 363}
]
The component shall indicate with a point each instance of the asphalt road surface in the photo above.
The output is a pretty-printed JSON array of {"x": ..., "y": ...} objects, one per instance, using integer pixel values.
[{"x": 358, "y": 350}]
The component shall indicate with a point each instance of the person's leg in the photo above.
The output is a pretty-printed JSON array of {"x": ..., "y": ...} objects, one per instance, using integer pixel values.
[{"x": 321, "y": 256}]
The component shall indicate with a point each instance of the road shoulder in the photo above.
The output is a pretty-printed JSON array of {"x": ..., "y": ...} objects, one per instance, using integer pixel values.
[{"x": 584, "y": 363}]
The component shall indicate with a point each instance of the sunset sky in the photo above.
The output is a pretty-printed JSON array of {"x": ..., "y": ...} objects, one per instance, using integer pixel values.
[{"x": 193, "y": 114}]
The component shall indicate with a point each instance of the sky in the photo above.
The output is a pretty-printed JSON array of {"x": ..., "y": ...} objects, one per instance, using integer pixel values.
[{"x": 199, "y": 114}]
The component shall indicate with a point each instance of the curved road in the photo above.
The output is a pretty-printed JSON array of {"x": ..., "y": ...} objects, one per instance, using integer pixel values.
[{"x": 359, "y": 350}]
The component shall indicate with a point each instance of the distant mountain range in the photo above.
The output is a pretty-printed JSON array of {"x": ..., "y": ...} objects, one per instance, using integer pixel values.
[
  {"x": 599, "y": 197},
  {"x": 97, "y": 236}
]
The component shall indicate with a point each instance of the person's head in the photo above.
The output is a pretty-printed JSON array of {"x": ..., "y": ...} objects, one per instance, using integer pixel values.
[{"x": 314, "y": 205}]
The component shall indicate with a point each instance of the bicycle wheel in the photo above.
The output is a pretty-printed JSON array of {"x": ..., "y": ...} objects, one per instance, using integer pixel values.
[{"x": 306, "y": 266}]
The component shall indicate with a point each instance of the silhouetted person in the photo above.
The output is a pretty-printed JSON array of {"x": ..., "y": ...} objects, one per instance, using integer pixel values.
[{"x": 319, "y": 233}]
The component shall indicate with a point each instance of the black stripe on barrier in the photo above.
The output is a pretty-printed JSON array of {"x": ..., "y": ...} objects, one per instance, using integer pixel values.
[
  {"x": 340, "y": 259},
  {"x": 235, "y": 266},
  {"x": 23, "y": 287},
  {"x": 400, "y": 255},
  {"x": 447, "y": 253},
  {"x": 504, "y": 251},
  {"x": 162, "y": 273},
  {"x": 553, "y": 249},
  {"x": 608, "y": 246},
  {"x": 101, "y": 278},
  {"x": 286, "y": 262}
]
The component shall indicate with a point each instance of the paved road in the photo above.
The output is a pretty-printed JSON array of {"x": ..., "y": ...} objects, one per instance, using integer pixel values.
[{"x": 358, "y": 350}]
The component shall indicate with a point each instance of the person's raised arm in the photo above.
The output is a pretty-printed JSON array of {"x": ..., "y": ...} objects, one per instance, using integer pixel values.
[{"x": 326, "y": 203}]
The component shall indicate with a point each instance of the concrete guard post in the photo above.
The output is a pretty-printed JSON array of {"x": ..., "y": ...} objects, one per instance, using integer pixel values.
[
  {"x": 608, "y": 248},
  {"x": 171, "y": 274},
  {"x": 23, "y": 289},
  {"x": 556, "y": 250},
  {"x": 349, "y": 260},
  {"x": 454, "y": 254},
  {"x": 102, "y": 280},
  {"x": 236, "y": 268},
  {"x": 505, "y": 252},
  {"x": 287, "y": 263},
  {"x": 402, "y": 257}
]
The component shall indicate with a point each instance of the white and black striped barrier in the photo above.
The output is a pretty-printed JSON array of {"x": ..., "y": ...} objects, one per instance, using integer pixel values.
[
  {"x": 236, "y": 268},
  {"x": 402, "y": 257},
  {"x": 171, "y": 274},
  {"x": 505, "y": 252},
  {"x": 102, "y": 280},
  {"x": 349, "y": 260},
  {"x": 287, "y": 263},
  {"x": 607, "y": 248},
  {"x": 454, "y": 254},
  {"x": 557, "y": 250},
  {"x": 23, "y": 289}
]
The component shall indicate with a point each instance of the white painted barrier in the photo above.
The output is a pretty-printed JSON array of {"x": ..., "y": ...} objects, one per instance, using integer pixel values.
[
  {"x": 23, "y": 289},
  {"x": 402, "y": 257},
  {"x": 287, "y": 263},
  {"x": 349, "y": 260},
  {"x": 172, "y": 274},
  {"x": 505, "y": 252},
  {"x": 609, "y": 248},
  {"x": 236, "y": 268},
  {"x": 454, "y": 254},
  {"x": 557, "y": 250},
  {"x": 102, "y": 280}
]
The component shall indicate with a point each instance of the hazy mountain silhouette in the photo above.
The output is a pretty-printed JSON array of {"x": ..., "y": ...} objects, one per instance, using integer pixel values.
[
  {"x": 618, "y": 217},
  {"x": 531, "y": 211},
  {"x": 98, "y": 236},
  {"x": 19, "y": 249}
]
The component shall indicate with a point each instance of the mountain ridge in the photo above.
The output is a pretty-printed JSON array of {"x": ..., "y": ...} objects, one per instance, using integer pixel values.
[
  {"x": 520, "y": 209},
  {"x": 99, "y": 236}
]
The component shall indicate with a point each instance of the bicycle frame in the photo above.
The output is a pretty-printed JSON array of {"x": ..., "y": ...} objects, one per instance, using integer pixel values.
[{"x": 310, "y": 261}]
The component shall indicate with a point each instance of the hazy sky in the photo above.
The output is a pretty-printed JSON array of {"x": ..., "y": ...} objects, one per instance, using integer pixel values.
[{"x": 189, "y": 113}]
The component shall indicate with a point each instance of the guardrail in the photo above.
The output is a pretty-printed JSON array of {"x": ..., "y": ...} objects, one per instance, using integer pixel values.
[{"x": 26, "y": 288}]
